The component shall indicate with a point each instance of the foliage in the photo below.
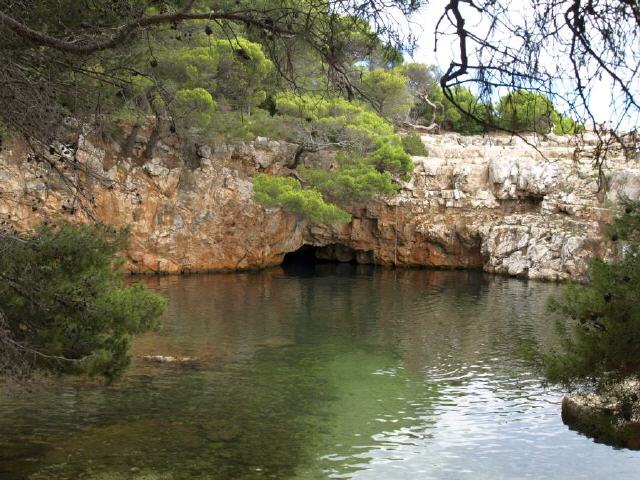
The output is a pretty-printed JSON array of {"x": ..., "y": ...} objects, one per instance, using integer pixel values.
[
  {"x": 288, "y": 193},
  {"x": 421, "y": 78},
  {"x": 387, "y": 91},
  {"x": 63, "y": 305},
  {"x": 195, "y": 105},
  {"x": 348, "y": 124},
  {"x": 523, "y": 111},
  {"x": 332, "y": 120},
  {"x": 390, "y": 156},
  {"x": 469, "y": 102},
  {"x": 350, "y": 183},
  {"x": 563, "y": 125},
  {"x": 234, "y": 72},
  {"x": 449, "y": 117},
  {"x": 600, "y": 329},
  {"x": 315, "y": 107},
  {"x": 413, "y": 145},
  {"x": 371, "y": 152},
  {"x": 229, "y": 127}
]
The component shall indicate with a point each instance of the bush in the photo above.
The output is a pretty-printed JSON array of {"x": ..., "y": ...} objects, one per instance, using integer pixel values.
[
  {"x": 228, "y": 127},
  {"x": 351, "y": 183},
  {"x": 287, "y": 193},
  {"x": 194, "y": 106},
  {"x": 332, "y": 120},
  {"x": 600, "y": 329},
  {"x": 391, "y": 157},
  {"x": 524, "y": 111},
  {"x": 63, "y": 305},
  {"x": 565, "y": 125},
  {"x": 315, "y": 107},
  {"x": 450, "y": 118},
  {"x": 388, "y": 92},
  {"x": 413, "y": 145}
]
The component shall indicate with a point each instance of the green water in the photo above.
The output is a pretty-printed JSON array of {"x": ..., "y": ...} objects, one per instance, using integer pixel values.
[{"x": 326, "y": 371}]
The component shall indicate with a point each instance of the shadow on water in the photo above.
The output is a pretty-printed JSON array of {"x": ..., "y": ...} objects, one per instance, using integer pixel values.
[{"x": 317, "y": 370}]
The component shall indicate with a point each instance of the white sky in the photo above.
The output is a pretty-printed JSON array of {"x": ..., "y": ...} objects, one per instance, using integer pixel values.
[{"x": 424, "y": 24}]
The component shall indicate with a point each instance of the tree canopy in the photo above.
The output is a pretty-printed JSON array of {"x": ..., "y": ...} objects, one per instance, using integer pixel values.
[{"x": 58, "y": 54}]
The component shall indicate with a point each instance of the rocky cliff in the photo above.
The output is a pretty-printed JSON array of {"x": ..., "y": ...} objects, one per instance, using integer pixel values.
[{"x": 489, "y": 202}]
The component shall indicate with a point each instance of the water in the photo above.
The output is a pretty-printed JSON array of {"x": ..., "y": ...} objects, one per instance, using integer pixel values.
[{"x": 332, "y": 371}]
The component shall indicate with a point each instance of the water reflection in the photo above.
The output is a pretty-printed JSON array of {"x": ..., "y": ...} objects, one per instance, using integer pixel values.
[{"x": 325, "y": 371}]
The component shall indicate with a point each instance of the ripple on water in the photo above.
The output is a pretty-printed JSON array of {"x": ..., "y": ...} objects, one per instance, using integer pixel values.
[{"x": 325, "y": 373}]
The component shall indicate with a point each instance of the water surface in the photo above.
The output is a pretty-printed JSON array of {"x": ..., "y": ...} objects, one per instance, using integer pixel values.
[{"x": 313, "y": 372}]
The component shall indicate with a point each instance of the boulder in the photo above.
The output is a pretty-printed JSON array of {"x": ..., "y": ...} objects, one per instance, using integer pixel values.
[{"x": 610, "y": 416}]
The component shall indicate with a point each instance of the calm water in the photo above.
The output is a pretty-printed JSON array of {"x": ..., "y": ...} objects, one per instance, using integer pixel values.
[{"x": 332, "y": 371}]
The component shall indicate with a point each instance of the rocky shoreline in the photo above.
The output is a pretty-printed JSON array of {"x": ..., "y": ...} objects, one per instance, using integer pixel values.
[
  {"x": 487, "y": 202},
  {"x": 610, "y": 416}
]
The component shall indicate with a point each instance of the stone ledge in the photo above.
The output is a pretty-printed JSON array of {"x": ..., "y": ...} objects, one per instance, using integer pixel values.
[{"x": 611, "y": 417}]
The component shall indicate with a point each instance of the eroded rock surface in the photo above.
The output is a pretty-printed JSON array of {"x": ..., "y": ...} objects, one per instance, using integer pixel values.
[
  {"x": 475, "y": 202},
  {"x": 611, "y": 416}
]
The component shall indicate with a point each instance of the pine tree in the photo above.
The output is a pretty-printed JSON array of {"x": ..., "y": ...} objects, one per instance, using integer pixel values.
[
  {"x": 63, "y": 305},
  {"x": 600, "y": 326}
]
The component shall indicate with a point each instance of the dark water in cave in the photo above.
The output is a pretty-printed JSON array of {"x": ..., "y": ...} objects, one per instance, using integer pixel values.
[{"x": 318, "y": 371}]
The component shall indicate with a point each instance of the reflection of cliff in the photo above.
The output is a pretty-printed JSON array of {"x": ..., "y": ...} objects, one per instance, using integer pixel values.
[{"x": 491, "y": 203}]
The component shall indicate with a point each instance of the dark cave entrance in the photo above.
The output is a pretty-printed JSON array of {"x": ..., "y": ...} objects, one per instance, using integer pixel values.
[{"x": 333, "y": 253}]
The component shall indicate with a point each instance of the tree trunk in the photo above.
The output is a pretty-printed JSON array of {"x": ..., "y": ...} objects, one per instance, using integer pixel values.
[{"x": 131, "y": 141}]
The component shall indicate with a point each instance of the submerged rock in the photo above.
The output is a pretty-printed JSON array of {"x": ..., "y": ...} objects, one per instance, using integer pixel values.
[
  {"x": 168, "y": 359},
  {"x": 611, "y": 416}
]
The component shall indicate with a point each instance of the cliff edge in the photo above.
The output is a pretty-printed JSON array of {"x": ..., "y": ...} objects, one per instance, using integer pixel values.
[{"x": 491, "y": 202}]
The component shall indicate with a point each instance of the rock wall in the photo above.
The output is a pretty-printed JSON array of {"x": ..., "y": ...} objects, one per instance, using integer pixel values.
[{"x": 475, "y": 202}]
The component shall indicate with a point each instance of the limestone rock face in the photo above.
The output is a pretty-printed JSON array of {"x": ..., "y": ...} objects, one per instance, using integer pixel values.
[
  {"x": 489, "y": 202},
  {"x": 182, "y": 219}
]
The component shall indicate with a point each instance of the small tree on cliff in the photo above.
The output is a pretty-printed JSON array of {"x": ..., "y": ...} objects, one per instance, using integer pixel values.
[
  {"x": 600, "y": 330},
  {"x": 63, "y": 305}
]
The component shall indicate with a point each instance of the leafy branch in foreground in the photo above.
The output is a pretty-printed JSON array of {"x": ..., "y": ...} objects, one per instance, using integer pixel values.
[
  {"x": 63, "y": 305},
  {"x": 600, "y": 329}
]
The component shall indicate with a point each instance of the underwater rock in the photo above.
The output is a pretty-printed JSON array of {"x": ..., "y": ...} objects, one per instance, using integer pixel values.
[{"x": 168, "y": 359}]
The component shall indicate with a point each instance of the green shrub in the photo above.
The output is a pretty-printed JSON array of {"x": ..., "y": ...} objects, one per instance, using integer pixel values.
[
  {"x": 63, "y": 304},
  {"x": 370, "y": 126},
  {"x": 314, "y": 107},
  {"x": 287, "y": 193},
  {"x": 565, "y": 125},
  {"x": 332, "y": 120},
  {"x": 523, "y": 111},
  {"x": 351, "y": 183},
  {"x": 391, "y": 157},
  {"x": 228, "y": 127},
  {"x": 413, "y": 145},
  {"x": 450, "y": 118},
  {"x": 194, "y": 106},
  {"x": 387, "y": 91}
]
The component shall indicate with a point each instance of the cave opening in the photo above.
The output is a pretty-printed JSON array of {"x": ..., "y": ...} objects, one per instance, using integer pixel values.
[
  {"x": 305, "y": 254},
  {"x": 333, "y": 253}
]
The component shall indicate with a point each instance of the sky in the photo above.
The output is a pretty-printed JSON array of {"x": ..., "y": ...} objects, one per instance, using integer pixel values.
[{"x": 424, "y": 24}]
